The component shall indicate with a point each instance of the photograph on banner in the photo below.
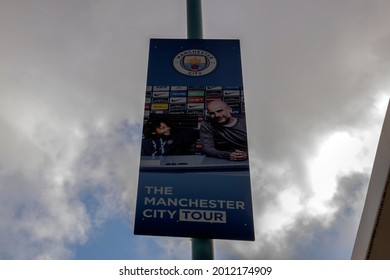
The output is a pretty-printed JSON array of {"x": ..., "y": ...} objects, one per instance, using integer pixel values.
[
  {"x": 197, "y": 126},
  {"x": 194, "y": 165}
]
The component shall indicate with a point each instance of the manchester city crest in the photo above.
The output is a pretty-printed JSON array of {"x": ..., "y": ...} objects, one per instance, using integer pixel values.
[{"x": 195, "y": 63}]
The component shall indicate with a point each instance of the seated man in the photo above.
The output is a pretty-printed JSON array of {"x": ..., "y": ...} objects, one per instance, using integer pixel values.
[
  {"x": 161, "y": 139},
  {"x": 224, "y": 136}
]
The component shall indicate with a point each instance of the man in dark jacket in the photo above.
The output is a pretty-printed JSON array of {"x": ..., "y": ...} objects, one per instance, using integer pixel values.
[
  {"x": 224, "y": 136},
  {"x": 162, "y": 139}
]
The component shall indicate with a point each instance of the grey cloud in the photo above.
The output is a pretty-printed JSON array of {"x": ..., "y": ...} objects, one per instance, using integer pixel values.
[
  {"x": 42, "y": 217},
  {"x": 38, "y": 220},
  {"x": 310, "y": 69},
  {"x": 333, "y": 239},
  {"x": 311, "y": 66},
  {"x": 312, "y": 236}
]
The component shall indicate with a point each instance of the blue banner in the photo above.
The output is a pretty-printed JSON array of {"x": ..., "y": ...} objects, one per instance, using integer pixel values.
[{"x": 194, "y": 170}]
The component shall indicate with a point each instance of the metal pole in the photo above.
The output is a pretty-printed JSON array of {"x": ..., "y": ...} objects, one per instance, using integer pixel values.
[
  {"x": 202, "y": 249},
  {"x": 194, "y": 19}
]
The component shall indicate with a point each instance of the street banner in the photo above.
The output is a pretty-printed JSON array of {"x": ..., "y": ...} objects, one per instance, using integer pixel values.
[{"x": 194, "y": 178}]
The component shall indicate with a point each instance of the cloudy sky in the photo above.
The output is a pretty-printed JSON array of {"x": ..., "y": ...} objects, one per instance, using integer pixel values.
[{"x": 72, "y": 82}]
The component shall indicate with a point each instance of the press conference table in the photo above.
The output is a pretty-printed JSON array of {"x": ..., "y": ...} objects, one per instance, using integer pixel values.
[{"x": 189, "y": 162}]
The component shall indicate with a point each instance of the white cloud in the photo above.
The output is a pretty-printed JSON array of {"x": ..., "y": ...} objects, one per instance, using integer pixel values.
[{"x": 337, "y": 156}]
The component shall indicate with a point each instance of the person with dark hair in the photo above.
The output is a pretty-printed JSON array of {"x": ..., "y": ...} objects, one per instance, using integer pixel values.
[
  {"x": 224, "y": 135},
  {"x": 162, "y": 139}
]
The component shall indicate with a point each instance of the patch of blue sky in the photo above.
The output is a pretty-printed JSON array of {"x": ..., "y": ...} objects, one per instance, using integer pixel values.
[
  {"x": 129, "y": 133},
  {"x": 114, "y": 240}
]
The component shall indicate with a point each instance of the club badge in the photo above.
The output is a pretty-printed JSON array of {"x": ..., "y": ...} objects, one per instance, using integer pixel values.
[{"x": 195, "y": 63}]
